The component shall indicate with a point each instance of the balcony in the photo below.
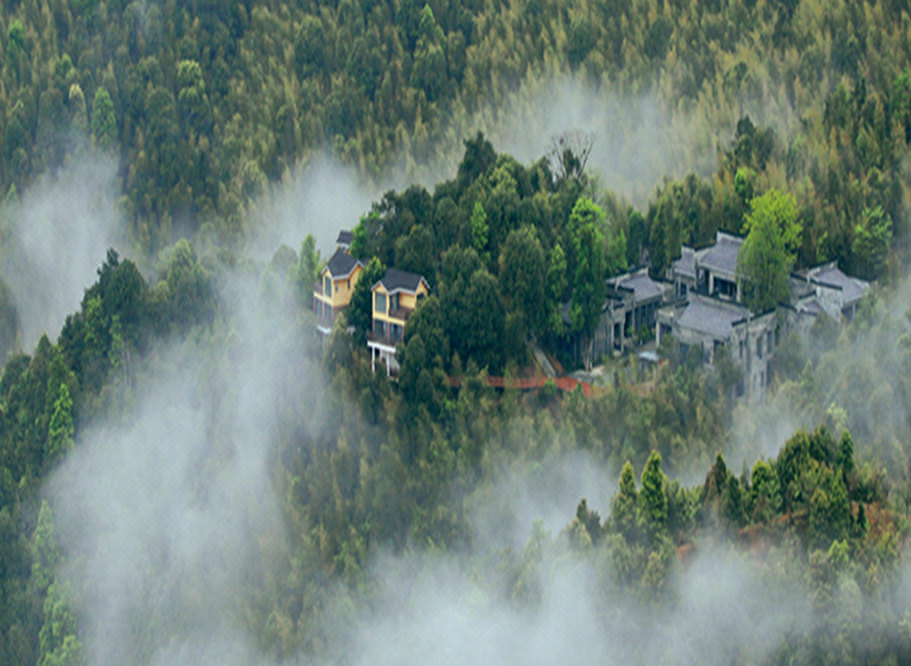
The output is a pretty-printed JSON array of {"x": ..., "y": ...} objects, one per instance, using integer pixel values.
[
  {"x": 401, "y": 314},
  {"x": 389, "y": 335}
]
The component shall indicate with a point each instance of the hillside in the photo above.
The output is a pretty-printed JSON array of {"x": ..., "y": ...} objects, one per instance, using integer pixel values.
[{"x": 189, "y": 473}]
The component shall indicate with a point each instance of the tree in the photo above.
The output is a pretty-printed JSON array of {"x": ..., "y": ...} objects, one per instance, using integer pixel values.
[
  {"x": 589, "y": 281},
  {"x": 521, "y": 277},
  {"x": 58, "y": 641},
  {"x": 192, "y": 100},
  {"x": 568, "y": 153},
  {"x": 652, "y": 497},
  {"x": 75, "y": 101},
  {"x": 308, "y": 268},
  {"x": 770, "y": 249},
  {"x": 624, "y": 506},
  {"x": 557, "y": 285},
  {"x": 104, "y": 124},
  {"x": 360, "y": 311},
  {"x": 872, "y": 236},
  {"x": 61, "y": 428},
  {"x": 484, "y": 319},
  {"x": 480, "y": 231},
  {"x": 479, "y": 157},
  {"x": 429, "y": 71},
  {"x": 765, "y": 497},
  {"x": 45, "y": 555},
  {"x": 414, "y": 253}
]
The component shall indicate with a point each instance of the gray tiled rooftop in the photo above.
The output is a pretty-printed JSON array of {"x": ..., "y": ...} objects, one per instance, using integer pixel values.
[
  {"x": 714, "y": 319},
  {"x": 722, "y": 256}
]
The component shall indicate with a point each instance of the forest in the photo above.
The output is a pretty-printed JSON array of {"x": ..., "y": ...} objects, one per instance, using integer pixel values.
[{"x": 188, "y": 474}]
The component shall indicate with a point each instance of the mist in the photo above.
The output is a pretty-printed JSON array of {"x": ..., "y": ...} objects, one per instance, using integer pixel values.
[
  {"x": 55, "y": 239},
  {"x": 638, "y": 139},
  {"x": 167, "y": 511},
  {"x": 852, "y": 376},
  {"x": 726, "y": 608},
  {"x": 320, "y": 197},
  {"x": 638, "y": 142}
]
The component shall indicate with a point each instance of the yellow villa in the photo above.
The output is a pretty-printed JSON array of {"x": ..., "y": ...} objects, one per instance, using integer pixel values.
[
  {"x": 395, "y": 297},
  {"x": 333, "y": 291}
]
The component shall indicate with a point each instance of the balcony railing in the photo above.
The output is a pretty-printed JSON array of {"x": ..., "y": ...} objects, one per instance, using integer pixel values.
[
  {"x": 401, "y": 314},
  {"x": 385, "y": 339}
]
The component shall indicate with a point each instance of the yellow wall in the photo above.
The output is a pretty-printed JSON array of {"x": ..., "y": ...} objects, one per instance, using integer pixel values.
[
  {"x": 341, "y": 292},
  {"x": 406, "y": 300}
]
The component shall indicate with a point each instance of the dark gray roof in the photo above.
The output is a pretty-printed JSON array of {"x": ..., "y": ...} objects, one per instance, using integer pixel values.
[
  {"x": 799, "y": 287},
  {"x": 341, "y": 264},
  {"x": 722, "y": 256},
  {"x": 712, "y": 318},
  {"x": 686, "y": 264},
  {"x": 643, "y": 287},
  {"x": 396, "y": 280},
  {"x": 811, "y": 306},
  {"x": 851, "y": 288},
  {"x": 344, "y": 237}
]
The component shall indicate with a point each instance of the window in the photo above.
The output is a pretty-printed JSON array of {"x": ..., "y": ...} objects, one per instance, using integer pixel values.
[
  {"x": 379, "y": 328},
  {"x": 327, "y": 285},
  {"x": 770, "y": 341},
  {"x": 349, "y": 283},
  {"x": 393, "y": 302},
  {"x": 380, "y": 302},
  {"x": 759, "y": 347}
]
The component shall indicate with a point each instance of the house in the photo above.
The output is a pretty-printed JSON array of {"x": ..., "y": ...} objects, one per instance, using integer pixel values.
[
  {"x": 344, "y": 240},
  {"x": 333, "y": 292},
  {"x": 682, "y": 272},
  {"x": 632, "y": 304},
  {"x": 710, "y": 270},
  {"x": 717, "y": 325},
  {"x": 822, "y": 290},
  {"x": 394, "y": 298},
  {"x": 834, "y": 292}
]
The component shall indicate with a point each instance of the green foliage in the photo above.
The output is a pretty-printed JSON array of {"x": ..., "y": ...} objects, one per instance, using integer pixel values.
[
  {"x": 46, "y": 557},
  {"x": 624, "y": 505},
  {"x": 522, "y": 272},
  {"x": 872, "y": 237},
  {"x": 308, "y": 269},
  {"x": 58, "y": 641},
  {"x": 769, "y": 250},
  {"x": 479, "y": 230},
  {"x": 360, "y": 311},
  {"x": 104, "y": 123},
  {"x": 61, "y": 428},
  {"x": 652, "y": 497}
]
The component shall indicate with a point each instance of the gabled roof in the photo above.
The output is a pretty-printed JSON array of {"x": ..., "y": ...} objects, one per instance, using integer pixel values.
[
  {"x": 341, "y": 265},
  {"x": 686, "y": 264},
  {"x": 344, "y": 238},
  {"x": 852, "y": 289},
  {"x": 642, "y": 286},
  {"x": 713, "y": 318},
  {"x": 810, "y": 306},
  {"x": 722, "y": 256},
  {"x": 396, "y": 280}
]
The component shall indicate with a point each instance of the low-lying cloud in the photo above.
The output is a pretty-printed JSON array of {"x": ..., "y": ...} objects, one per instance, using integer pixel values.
[{"x": 55, "y": 239}]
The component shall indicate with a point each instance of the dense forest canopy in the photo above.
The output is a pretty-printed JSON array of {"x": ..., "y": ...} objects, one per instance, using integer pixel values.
[{"x": 188, "y": 475}]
